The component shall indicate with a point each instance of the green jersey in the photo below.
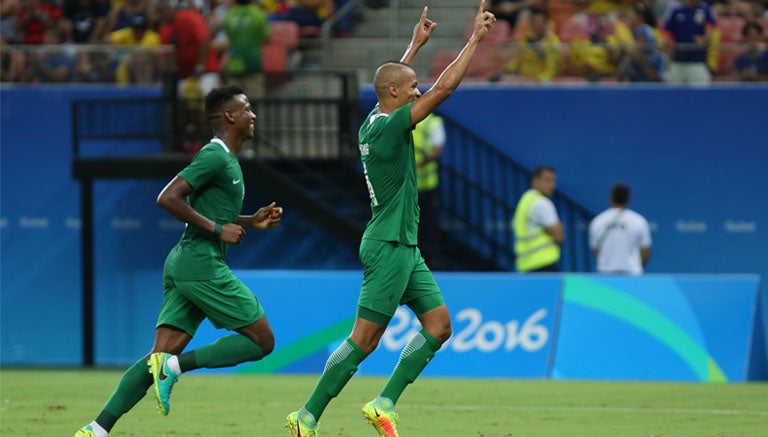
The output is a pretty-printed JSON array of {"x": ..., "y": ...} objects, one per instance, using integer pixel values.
[
  {"x": 386, "y": 149},
  {"x": 247, "y": 29},
  {"x": 217, "y": 193}
]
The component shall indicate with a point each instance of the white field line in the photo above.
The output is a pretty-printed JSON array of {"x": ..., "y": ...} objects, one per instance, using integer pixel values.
[{"x": 592, "y": 409}]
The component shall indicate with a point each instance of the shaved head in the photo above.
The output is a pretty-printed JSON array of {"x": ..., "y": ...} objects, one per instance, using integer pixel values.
[{"x": 392, "y": 72}]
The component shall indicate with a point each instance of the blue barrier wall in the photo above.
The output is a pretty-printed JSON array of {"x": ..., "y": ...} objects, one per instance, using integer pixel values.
[{"x": 692, "y": 155}]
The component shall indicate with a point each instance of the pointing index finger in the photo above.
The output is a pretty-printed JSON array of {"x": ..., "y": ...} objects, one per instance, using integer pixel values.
[
  {"x": 424, "y": 13},
  {"x": 482, "y": 7}
]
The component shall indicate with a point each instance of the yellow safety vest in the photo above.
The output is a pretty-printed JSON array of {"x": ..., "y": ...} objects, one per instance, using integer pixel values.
[
  {"x": 426, "y": 176},
  {"x": 534, "y": 248}
]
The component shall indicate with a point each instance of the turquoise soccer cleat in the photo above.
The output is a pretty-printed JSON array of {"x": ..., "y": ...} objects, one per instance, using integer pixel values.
[{"x": 164, "y": 379}]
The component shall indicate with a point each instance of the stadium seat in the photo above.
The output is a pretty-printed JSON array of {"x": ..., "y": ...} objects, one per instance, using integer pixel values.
[
  {"x": 285, "y": 32},
  {"x": 560, "y": 11},
  {"x": 488, "y": 62},
  {"x": 274, "y": 58},
  {"x": 730, "y": 28},
  {"x": 441, "y": 60},
  {"x": 499, "y": 34}
]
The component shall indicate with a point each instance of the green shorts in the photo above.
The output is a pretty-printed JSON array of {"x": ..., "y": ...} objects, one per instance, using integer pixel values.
[
  {"x": 226, "y": 301},
  {"x": 394, "y": 274}
]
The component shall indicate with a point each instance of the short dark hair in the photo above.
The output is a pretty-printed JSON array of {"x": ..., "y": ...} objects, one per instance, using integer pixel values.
[
  {"x": 218, "y": 97},
  {"x": 645, "y": 13},
  {"x": 538, "y": 171},
  {"x": 620, "y": 194}
]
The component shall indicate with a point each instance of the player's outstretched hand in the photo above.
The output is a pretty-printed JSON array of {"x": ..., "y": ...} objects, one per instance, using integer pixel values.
[
  {"x": 268, "y": 216},
  {"x": 483, "y": 22},
  {"x": 423, "y": 29}
]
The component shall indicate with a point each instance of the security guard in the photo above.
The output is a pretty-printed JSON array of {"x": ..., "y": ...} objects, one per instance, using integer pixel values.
[
  {"x": 428, "y": 141},
  {"x": 538, "y": 231}
]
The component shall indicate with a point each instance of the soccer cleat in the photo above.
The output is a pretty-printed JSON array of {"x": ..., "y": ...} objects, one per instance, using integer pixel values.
[
  {"x": 297, "y": 428},
  {"x": 383, "y": 421},
  {"x": 164, "y": 378},
  {"x": 86, "y": 431}
]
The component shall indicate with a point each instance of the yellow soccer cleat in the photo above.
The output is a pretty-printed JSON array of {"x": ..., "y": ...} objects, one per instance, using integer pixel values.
[
  {"x": 86, "y": 431},
  {"x": 297, "y": 428},
  {"x": 383, "y": 421}
]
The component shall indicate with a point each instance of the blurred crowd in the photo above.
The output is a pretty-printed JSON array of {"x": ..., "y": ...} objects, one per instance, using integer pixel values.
[
  {"x": 677, "y": 41},
  {"x": 201, "y": 42},
  {"x": 204, "y": 39}
]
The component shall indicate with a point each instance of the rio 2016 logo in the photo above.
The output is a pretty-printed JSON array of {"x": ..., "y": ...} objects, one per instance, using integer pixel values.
[{"x": 472, "y": 332}]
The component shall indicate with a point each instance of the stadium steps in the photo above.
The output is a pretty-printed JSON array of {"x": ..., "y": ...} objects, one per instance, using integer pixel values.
[
  {"x": 376, "y": 37},
  {"x": 339, "y": 186}
]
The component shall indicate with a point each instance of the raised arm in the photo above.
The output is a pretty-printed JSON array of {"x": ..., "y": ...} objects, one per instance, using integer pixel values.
[
  {"x": 453, "y": 74},
  {"x": 421, "y": 33}
]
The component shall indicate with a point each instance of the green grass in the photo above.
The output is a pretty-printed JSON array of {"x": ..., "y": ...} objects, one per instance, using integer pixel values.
[{"x": 58, "y": 402}]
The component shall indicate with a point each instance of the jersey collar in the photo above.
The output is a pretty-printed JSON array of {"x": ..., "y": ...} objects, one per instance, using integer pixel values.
[{"x": 221, "y": 143}]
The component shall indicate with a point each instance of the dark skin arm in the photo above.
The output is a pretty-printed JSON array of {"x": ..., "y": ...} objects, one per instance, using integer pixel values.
[
  {"x": 421, "y": 33},
  {"x": 556, "y": 232},
  {"x": 173, "y": 199},
  {"x": 645, "y": 255},
  {"x": 452, "y": 76},
  {"x": 265, "y": 218}
]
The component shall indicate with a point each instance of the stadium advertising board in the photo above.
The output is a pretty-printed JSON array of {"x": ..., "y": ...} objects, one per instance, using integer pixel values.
[
  {"x": 656, "y": 327},
  {"x": 501, "y": 328}
]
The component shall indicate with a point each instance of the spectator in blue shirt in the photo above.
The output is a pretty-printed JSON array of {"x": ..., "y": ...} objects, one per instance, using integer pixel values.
[
  {"x": 645, "y": 63},
  {"x": 690, "y": 24},
  {"x": 752, "y": 65}
]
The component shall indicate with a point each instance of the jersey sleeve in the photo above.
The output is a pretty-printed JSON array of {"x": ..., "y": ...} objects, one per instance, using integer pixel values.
[
  {"x": 204, "y": 166},
  {"x": 400, "y": 119}
]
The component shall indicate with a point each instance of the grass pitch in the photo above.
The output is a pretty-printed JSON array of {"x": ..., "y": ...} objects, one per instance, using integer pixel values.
[{"x": 58, "y": 402}]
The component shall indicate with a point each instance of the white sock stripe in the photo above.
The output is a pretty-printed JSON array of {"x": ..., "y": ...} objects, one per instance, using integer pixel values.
[
  {"x": 417, "y": 342},
  {"x": 340, "y": 354}
]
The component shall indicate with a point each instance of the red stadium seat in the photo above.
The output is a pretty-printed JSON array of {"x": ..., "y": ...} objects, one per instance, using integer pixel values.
[
  {"x": 441, "y": 60},
  {"x": 274, "y": 58},
  {"x": 285, "y": 33},
  {"x": 488, "y": 62},
  {"x": 730, "y": 29}
]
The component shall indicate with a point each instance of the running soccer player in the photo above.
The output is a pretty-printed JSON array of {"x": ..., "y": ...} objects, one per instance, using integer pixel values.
[
  {"x": 394, "y": 271},
  {"x": 197, "y": 281}
]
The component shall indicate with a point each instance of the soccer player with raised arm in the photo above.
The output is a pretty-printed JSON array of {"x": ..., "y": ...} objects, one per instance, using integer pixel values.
[
  {"x": 394, "y": 272},
  {"x": 207, "y": 195}
]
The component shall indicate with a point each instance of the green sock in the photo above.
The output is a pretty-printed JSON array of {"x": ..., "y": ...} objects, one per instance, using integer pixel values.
[
  {"x": 224, "y": 352},
  {"x": 339, "y": 368},
  {"x": 131, "y": 388},
  {"x": 413, "y": 359}
]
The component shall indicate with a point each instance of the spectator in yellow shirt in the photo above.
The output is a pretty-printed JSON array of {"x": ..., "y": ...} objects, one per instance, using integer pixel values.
[
  {"x": 598, "y": 56},
  {"x": 539, "y": 54},
  {"x": 137, "y": 64}
]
